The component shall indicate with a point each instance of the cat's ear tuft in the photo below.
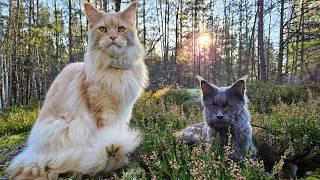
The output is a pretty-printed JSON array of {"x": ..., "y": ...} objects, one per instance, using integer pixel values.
[
  {"x": 244, "y": 78},
  {"x": 130, "y": 12},
  {"x": 239, "y": 87},
  {"x": 207, "y": 88},
  {"x": 92, "y": 13},
  {"x": 199, "y": 78}
]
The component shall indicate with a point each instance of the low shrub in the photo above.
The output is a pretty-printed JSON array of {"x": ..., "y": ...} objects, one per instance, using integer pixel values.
[
  {"x": 8, "y": 141},
  {"x": 174, "y": 96},
  {"x": 263, "y": 97},
  {"x": 290, "y": 115},
  {"x": 165, "y": 157},
  {"x": 17, "y": 120},
  {"x": 292, "y": 132}
]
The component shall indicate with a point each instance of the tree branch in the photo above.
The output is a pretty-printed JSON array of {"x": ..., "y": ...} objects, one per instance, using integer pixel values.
[{"x": 153, "y": 45}]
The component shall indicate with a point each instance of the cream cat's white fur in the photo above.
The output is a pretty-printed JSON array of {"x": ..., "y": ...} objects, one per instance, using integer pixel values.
[{"x": 66, "y": 136}]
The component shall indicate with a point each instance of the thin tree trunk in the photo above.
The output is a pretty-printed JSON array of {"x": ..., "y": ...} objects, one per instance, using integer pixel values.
[
  {"x": 70, "y": 48},
  {"x": 280, "y": 57},
  {"x": 14, "y": 69},
  {"x": 144, "y": 23},
  {"x": 117, "y": 5},
  {"x": 193, "y": 44},
  {"x": 81, "y": 28},
  {"x": 240, "y": 40},
  {"x": 227, "y": 42},
  {"x": 174, "y": 63},
  {"x": 302, "y": 38},
  {"x": 261, "y": 43},
  {"x": 289, "y": 41},
  {"x": 252, "y": 46},
  {"x": 269, "y": 42},
  {"x": 105, "y": 5},
  {"x": 247, "y": 41},
  {"x": 28, "y": 64}
]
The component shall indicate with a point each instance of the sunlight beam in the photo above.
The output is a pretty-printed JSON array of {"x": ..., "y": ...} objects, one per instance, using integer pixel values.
[{"x": 204, "y": 40}]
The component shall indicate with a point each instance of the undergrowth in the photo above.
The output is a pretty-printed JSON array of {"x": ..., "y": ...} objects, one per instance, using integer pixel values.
[{"x": 290, "y": 118}]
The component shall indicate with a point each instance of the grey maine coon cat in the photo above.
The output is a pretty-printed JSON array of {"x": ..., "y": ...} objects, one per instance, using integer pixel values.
[{"x": 224, "y": 108}]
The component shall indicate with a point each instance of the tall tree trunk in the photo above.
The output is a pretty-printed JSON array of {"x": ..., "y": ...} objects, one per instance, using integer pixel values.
[
  {"x": 56, "y": 32},
  {"x": 193, "y": 22},
  {"x": 289, "y": 41},
  {"x": 247, "y": 38},
  {"x": 252, "y": 47},
  {"x": 167, "y": 32},
  {"x": 260, "y": 42},
  {"x": 302, "y": 38},
  {"x": 240, "y": 39},
  {"x": 269, "y": 42},
  {"x": 297, "y": 40},
  {"x": 178, "y": 73},
  {"x": 144, "y": 23},
  {"x": 81, "y": 28},
  {"x": 280, "y": 57},
  {"x": 14, "y": 76},
  {"x": 28, "y": 64},
  {"x": 166, "y": 36},
  {"x": 227, "y": 43},
  {"x": 70, "y": 33},
  {"x": 117, "y": 5},
  {"x": 105, "y": 5},
  {"x": 174, "y": 63}
]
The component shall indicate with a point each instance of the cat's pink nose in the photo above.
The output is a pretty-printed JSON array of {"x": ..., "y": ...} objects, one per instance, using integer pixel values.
[{"x": 113, "y": 38}]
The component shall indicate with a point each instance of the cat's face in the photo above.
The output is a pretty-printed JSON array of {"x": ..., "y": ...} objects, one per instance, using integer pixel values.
[
  {"x": 111, "y": 33},
  {"x": 223, "y": 105}
]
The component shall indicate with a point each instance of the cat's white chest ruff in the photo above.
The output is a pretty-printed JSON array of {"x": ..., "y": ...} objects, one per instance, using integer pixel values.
[{"x": 111, "y": 100}]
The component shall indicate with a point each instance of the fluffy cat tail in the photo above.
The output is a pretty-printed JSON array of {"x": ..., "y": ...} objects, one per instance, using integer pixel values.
[
  {"x": 110, "y": 150},
  {"x": 127, "y": 137},
  {"x": 107, "y": 152}
]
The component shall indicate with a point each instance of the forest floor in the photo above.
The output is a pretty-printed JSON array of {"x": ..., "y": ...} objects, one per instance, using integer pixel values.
[{"x": 289, "y": 117}]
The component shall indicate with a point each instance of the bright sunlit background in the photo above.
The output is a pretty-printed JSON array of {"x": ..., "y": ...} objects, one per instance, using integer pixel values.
[{"x": 204, "y": 40}]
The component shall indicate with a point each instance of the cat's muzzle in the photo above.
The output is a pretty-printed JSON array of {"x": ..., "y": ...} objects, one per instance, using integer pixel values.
[{"x": 218, "y": 123}]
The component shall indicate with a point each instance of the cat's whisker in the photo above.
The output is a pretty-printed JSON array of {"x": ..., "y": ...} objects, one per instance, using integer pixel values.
[{"x": 95, "y": 47}]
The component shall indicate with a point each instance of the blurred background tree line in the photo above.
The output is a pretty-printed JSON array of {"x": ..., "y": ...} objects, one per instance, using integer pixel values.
[{"x": 272, "y": 41}]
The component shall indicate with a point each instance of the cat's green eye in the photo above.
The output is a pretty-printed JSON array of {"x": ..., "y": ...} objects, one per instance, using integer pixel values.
[
  {"x": 121, "y": 29},
  {"x": 103, "y": 29}
]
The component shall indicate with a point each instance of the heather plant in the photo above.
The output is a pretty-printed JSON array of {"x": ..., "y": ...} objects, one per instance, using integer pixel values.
[
  {"x": 290, "y": 133},
  {"x": 172, "y": 96},
  {"x": 263, "y": 97},
  {"x": 166, "y": 157}
]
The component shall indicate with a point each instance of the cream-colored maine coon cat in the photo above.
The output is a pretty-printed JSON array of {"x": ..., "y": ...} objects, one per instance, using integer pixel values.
[{"x": 83, "y": 124}]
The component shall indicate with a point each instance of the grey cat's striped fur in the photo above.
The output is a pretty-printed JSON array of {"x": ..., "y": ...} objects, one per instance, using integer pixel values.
[{"x": 224, "y": 108}]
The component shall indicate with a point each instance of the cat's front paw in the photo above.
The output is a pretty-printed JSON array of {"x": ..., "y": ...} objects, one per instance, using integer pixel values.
[
  {"x": 35, "y": 172},
  {"x": 116, "y": 151},
  {"x": 117, "y": 157}
]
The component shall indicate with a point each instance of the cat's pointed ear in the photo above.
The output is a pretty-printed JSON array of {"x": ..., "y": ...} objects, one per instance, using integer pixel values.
[
  {"x": 239, "y": 87},
  {"x": 206, "y": 87},
  {"x": 130, "y": 12},
  {"x": 92, "y": 13}
]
